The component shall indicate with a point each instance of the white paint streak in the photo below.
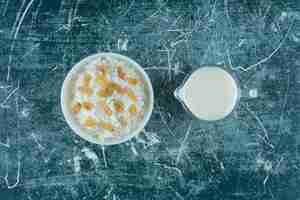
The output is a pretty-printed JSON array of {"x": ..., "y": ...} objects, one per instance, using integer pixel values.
[
  {"x": 169, "y": 63},
  {"x": 163, "y": 120},
  {"x": 266, "y": 138},
  {"x": 5, "y": 8},
  {"x": 91, "y": 155},
  {"x": 163, "y": 68},
  {"x": 245, "y": 69},
  {"x": 76, "y": 161},
  {"x": 109, "y": 193},
  {"x": 2, "y": 105},
  {"x": 133, "y": 149},
  {"x": 173, "y": 44},
  {"x": 5, "y": 87},
  {"x": 15, "y": 37},
  {"x": 122, "y": 44},
  {"x": 183, "y": 143},
  {"x": 25, "y": 113},
  {"x": 285, "y": 100},
  {"x": 29, "y": 52},
  {"x": 35, "y": 139},
  {"x": 104, "y": 156},
  {"x": 152, "y": 138},
  {"x": 175, "y": 169},
  {"x": 5, "y": 144},
  {"x": 176, "y": 193},
  {"x": 76, "y": 7},
  {"x": 266, "y": 179},
  {"x": 129, "y": 8},
  {"x": 18, "y": 177}
]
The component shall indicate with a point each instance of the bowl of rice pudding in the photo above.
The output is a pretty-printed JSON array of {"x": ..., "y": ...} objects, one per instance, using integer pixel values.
[{"x": 107, "y": 98}]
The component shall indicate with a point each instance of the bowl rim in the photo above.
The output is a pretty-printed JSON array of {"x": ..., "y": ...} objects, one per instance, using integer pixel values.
[{"x": 76, "y": 127}]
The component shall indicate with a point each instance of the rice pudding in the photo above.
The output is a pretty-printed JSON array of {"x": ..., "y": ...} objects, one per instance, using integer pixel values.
[{"x": 108, "y": 98}]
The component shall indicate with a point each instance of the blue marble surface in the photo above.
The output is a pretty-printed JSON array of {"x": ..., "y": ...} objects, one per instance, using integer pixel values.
[{"x": 252, "y": 154}]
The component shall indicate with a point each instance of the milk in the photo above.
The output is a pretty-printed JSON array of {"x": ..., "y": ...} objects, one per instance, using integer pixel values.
[{"x": 210, "y": 93}]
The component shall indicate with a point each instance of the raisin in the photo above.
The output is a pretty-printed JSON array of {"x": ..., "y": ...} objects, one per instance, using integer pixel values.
[
  {"x": 131, "y": 95},
  {"x": 132, "y": 81},
  {"x": 107, "y": 126},
  {"x": 116, "y": 87},
  {"x": 76, "y": 108},
  {"x": 119, "y": 106},
  {"x": 87, "y": 105},
  {"x": 106, "y": 109},
  {"x": 123, "y": 121},
  {"x": 87, "y": 79},
  {"x": 106, "y": 92},
  {"x": 86, "y": 91},
  {"x": 133, "y": 109},
  {"x": 90, "y": 122},
  {"x": 121, "y": 73},
  {"x": 101, "y": 80},
  {"x": 103, "y": 68}
]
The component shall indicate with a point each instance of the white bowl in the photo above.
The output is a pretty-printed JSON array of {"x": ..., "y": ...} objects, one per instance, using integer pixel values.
[{"x": 66, "y": 99}]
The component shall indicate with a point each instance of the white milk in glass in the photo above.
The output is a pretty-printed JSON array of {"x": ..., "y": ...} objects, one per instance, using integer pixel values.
[{"x": 210, "y": 93}]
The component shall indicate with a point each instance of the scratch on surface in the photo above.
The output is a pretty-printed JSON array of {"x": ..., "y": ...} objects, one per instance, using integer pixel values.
[
  {"x": 109, "y": 192},
  {"x": 265, "y": 138},
  {"x": 247, "y": 68},
  {"x": 18, "y": 176},
  {"x": 30, "y": 51},
  {"x": 178, "y": 171},
  {"x": 151, "y": 16},
  {"x": 5, "y": 8},
  {"x": 91, "y": 155},
  {"x": 15, "y": 37},
  {"x": 23, "y": 98},
  {"x": 179, "y": 196},
  {"x": 65, "y": 180},
  {"x": 163, "y": 68},
  {"x": 229, "y": 58},
  {"x": 17, "y": 18},
  {"x": 183, "y": 143},
  {"x": 165, "y": 122},
  {"x": 267, "y": 11},
  {"x": 104, "y": 156},
  {"x": 76, "y": 161},
  {"x": 129, "y": 8},
  {"x": 169, "y": 62},
  {"x": 70, "y": 17},
  {"x": 17, "y": 100},
  {"x": 2, "y": 105},
  {"x": 213, "y": 11},
  {"x": 266, "y": 179},
  {"x": 133, "y": 149},
  {"x": 41, "y": 147},
  {"x": 76, "y": 7},
  {"x": 173, "y": 44},
  {"x": 176, "y": 20},
  {"x": 278, "y": 164},
  {"x": 5, "y": 87},
  {"x": 5, "y": 144},
  {"x": 122, "y": 44},
  {"x": 227, "y": 11},
  {"x": 152, "y": 138},
  {"x": 105, "y": 19},
  {"x": 285, "y": 100}
]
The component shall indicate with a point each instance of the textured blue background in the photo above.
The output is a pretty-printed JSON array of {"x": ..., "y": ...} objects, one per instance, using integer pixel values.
[{"x": 252, "y": 154}]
